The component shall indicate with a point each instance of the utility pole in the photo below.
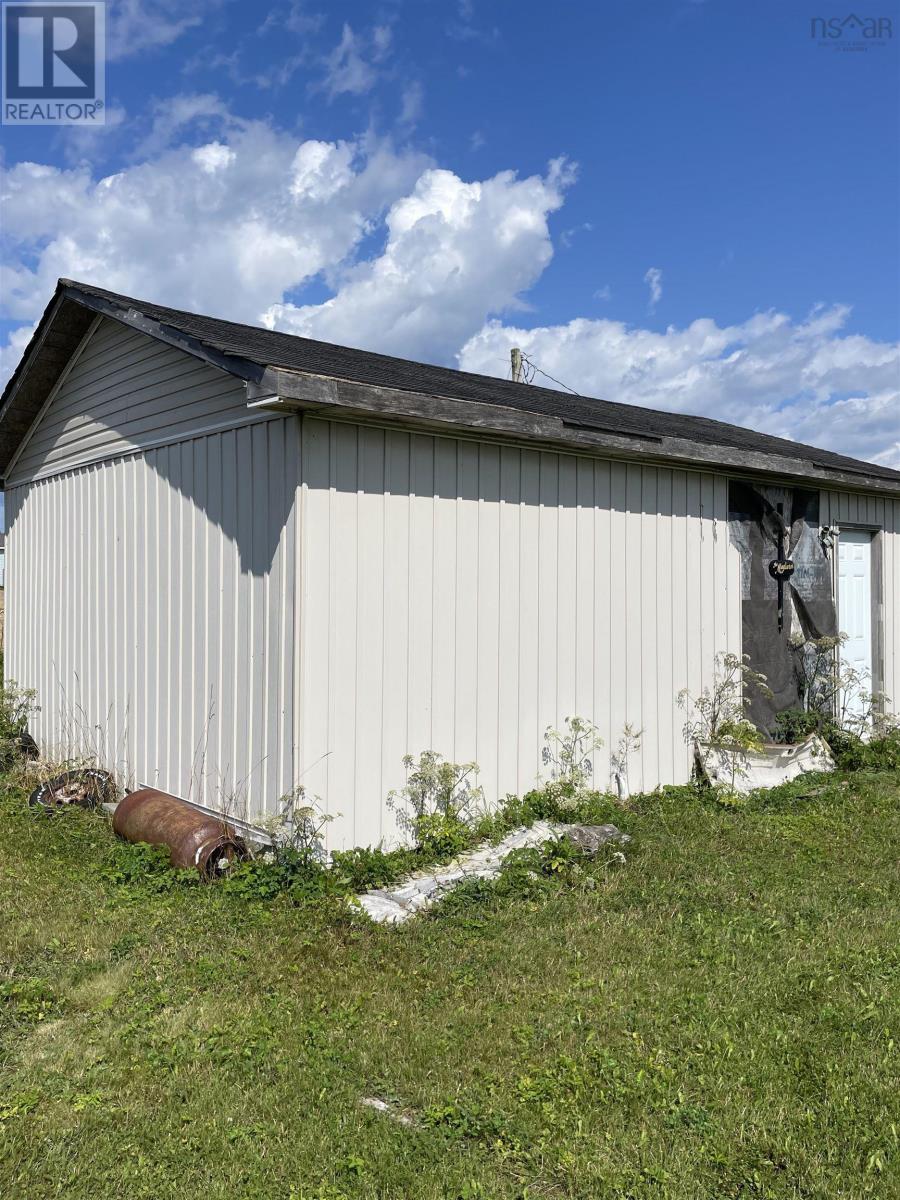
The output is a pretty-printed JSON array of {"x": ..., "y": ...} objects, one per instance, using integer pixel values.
[{"x": 515, "y": 355}]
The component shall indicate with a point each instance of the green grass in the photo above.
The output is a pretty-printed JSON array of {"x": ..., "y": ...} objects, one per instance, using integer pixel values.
[{"x": 717, "y": 1018}]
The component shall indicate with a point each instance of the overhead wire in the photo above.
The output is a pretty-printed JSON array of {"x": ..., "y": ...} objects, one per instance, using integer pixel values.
[{"x": 546, "y": 374}]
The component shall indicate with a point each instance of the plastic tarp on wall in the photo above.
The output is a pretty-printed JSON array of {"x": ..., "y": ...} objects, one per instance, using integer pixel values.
[{"x": 768, "y": 523}]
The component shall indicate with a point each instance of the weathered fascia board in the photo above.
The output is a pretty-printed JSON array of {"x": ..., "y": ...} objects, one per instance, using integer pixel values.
[
  {"x": 281, "y": 390},
  {"x": 242, "y": 368}
]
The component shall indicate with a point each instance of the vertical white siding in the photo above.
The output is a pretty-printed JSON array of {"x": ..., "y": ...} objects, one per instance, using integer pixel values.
[
  {"x": 461, "y": 596},
  {"x": 449, "y": 594},
  {"x": 151, "y": 605},
  {"x": 883, "y": 516}
]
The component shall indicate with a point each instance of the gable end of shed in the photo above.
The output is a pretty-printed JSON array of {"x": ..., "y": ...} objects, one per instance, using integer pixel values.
[{"x": 123, "y": 391}]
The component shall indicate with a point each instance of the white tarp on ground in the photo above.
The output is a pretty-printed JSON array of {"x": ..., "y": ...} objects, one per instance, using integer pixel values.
[{"x": 395, "y": 905}]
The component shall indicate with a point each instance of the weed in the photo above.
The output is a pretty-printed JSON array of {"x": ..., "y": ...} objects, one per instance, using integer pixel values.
[
  {"x": 715, "y": 717},
  {"x": 27, "y": 1000},
  {"x": 818, "y": 670},
  {"x": 441, "y": 836},
  {"x": 17, "y": 705},
  {"x": 877, "y": 754},
  {"x": 559, "y": 801},
  {"x": 298, "y": 829},
  {"x": 439, "y": 800},
  {"x": 794, "y": 725},
  {"x": 532, "y": 872},
  {"x": 835, "y": 699},
  {"x": 372, "y": 867},
  {"x": 629, "y": 743},
  {"x": 139, "y": 869},
  {"x": 283, "y": 872},
  {"x": 18, "y": 1104},
  {"x": 568, "y": 752}
]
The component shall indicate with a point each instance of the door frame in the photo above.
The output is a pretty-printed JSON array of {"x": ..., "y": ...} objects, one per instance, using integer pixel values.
[{"x": 876, "y": 589}]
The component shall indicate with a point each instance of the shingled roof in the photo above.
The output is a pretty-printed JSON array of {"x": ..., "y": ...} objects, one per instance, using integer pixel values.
[{"x": 260, "y": 356}]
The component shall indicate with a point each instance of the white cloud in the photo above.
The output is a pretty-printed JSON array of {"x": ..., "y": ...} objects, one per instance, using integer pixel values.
[
  {"x": 321, "y": 169},
  {"x": 455, "y": 253},
  {"x": 172, "y": 119},
  {"x": 234, "y": 225},
  {"x": 412, "y": 104},
  {"x": 230, "y": 217},
  {"x": 15, "y": 348},
  {"x": 351, "y": 67},
  {"x": 567, "y": 237},
  {"x": 297, "y": 18},
  {"x": 465, "y": 29},
  {"x": 653, "y": 279},
  {"x": 80, "y": 142},
  {"x": 227, "y": 227},
  {"x": 136, "y": 26},
  {"x": 213, "y": 157},
  {"x": 382, "y": 38},
  {"x": 805, "y": 380}
]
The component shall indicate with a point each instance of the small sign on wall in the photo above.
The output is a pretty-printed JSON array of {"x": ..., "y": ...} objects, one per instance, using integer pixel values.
[{"x": 781, "y": 568}]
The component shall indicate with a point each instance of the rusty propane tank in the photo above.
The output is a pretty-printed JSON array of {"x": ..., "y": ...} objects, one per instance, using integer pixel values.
[{"x": 193, "y": 838}]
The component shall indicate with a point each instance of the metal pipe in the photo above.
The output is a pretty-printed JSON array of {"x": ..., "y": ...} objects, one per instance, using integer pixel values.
[{"x": 197, "y": 839}]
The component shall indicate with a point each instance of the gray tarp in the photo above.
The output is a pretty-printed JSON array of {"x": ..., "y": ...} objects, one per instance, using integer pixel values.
[{"x": 759, "y": 516}]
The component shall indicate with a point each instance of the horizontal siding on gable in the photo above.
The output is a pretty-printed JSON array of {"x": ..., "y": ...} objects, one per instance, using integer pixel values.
[{"x": 127, "y": 391}]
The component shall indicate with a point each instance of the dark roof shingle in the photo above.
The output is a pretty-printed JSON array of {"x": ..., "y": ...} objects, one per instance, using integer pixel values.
[{"x": 267, "y": 348}]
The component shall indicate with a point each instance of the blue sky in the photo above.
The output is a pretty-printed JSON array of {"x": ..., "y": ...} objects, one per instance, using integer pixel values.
[{"x": 692, "y": 205}]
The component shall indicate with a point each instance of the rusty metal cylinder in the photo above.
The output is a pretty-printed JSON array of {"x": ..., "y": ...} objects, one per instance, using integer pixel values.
[{"x": 193, "y": 838}]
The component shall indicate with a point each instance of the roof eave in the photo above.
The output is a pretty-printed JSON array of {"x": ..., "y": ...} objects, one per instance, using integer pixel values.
[
  {"x": 71, "y": 311},
  {"x": 63, "y": 324},
  {"x": 133, "y": 318},
  {"x": 323, "y": 395}
]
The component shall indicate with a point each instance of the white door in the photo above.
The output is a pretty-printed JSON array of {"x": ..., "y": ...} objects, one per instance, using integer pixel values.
[{"x": 855, "y": 605}]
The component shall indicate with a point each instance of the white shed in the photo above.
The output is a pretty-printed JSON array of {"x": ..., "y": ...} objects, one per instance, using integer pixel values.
[{"x": 240, "y": 560}]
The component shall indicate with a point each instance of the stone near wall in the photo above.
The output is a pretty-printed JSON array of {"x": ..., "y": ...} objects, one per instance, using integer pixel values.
[{"x": 591, "y": 838}]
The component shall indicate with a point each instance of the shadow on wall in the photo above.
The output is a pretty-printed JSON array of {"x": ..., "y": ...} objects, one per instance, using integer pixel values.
[
  {"x": 367, "y": 460},
  {"x": 244, "y": 480},
  {"x": 486, "y": 545},
  {"x": 358, "y": 458}
]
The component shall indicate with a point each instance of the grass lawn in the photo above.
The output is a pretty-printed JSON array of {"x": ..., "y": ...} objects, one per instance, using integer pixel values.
[{"x": 717, "y": 1018}]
